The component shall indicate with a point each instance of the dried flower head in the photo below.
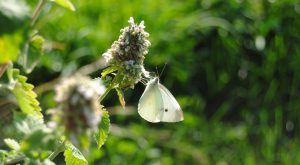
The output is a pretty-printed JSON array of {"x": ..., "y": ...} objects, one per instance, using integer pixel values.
[
  {"x": 79, "y": 109},
  {"x": 127, "y": 54}
]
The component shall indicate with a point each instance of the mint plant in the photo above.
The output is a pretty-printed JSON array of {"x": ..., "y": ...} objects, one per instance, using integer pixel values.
[{"x": 79, "y": 120}]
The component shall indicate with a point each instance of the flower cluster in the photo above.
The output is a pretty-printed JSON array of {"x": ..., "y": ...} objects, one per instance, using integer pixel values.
[
  {"x": 128, "y": 54},
  {"x": 79, "y": 109}
]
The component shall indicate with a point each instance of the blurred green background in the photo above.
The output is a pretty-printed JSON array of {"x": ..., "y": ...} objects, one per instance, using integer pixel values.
[{"x": 232, "y": 65}]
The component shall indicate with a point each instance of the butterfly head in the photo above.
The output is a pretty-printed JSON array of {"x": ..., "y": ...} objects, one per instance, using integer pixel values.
[{"x": 153, "y": 81}]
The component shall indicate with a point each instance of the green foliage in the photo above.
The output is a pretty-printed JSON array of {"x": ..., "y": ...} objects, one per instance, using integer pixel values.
[
  {"x": 103, "y": 130},
  {"x": 107, "y": 71},
  {"x": 24, "y": 94},
  {"x": 65, "y": 3},
  {"x": 12, "y": 144},
  {"x": 121, "y": 97},
  {"x": 9, "y": 47},
  {"x": 74, "y": 156}
]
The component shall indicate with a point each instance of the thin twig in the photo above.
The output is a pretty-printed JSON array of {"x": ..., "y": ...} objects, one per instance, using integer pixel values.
[
  {"x": 37, "y": 12},
  {"x": 60, "y": 149},
  {"x": 84, "y": 70},
  {"x": 3, "y": 68},
  {"x": 92, "y": 67}
]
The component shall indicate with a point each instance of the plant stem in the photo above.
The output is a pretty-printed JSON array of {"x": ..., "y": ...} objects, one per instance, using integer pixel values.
[
  {"x": 60, "y": 149},
  {"x": 37, "y": 12},
  {"x": 109, "y": 88},
  {"x": 105, "y": 93}
]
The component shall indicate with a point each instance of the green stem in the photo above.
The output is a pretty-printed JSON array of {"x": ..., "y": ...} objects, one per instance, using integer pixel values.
[
  {"x": 105, "y": 93},
  {"x": 60, "y": 149},
  {"x": 109, "y": 88}
]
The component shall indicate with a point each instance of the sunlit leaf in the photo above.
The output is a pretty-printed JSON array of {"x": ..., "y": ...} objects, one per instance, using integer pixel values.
[
  {"x": 73, "y": 156},
  {"x": 9, "y": 47},
  {"x": 65, "y": 3},
  {"x": 102, "y": 133},
  {"x": 108, "y": 71},
  {"x": 11, "y": 143},
  {"x": 25, "y": 95},
  {"x": 121, "y": 97}
]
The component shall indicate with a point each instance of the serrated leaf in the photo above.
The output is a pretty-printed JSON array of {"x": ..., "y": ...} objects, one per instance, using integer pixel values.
[
  {"x": 28, "y": 124},
  {"x": 73, "y": 156},
  {"x": 65, "y": 3},
  {"x": 24, "y": 94},
  {"x": 32, "y": 53},
  {"x": 11, "y": 143},
  {"x": 121, "y": 97},
  {"x": 108, "y": 71},
  {"x": 102, "y": 133}
]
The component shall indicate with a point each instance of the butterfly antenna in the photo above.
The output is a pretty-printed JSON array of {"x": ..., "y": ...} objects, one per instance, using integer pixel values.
[{"x": 163, "y": 69}]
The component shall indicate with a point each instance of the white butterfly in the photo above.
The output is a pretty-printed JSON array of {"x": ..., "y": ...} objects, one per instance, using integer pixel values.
[{"x": 158, "y": 104}]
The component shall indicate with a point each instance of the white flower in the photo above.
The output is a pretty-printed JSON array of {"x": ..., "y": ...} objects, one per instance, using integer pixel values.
[
  {"x": 131, "y": 21},
  {"x": 107, "y": 55},
  {"x": 141, "y": 25},
  {"x": 129, "y": 52}
]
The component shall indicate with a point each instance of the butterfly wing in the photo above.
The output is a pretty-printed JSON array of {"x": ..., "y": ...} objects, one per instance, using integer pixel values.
[
  {"x": 171, "y": 111},
  {"x": 151, "y": 102}
]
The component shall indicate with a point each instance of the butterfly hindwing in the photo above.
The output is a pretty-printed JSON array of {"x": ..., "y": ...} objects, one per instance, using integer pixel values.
[{"x": 171, "y": 111}]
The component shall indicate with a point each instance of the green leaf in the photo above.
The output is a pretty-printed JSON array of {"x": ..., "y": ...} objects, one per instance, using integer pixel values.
[
  {"x": 73, "y": 156},
  {"x": 26, "y": 124},
  {"x": 65, "y": 3},
  {"x": 31, "y": 56},
  {"x": 3, "y": 155},
  {"x": 108, "y": 71},
  {"x": 9, "y": 47},
  {"x": 24, "y": 94},
  {"x": 38, "y": 142},
  {"x": 102, "y": 133},
  {"x": 11, "y": 143},
  {"x": 121, "y": 97}
]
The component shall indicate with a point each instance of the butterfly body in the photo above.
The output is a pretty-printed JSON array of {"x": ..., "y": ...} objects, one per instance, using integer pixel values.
[{"x": 157, "y": 104}]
